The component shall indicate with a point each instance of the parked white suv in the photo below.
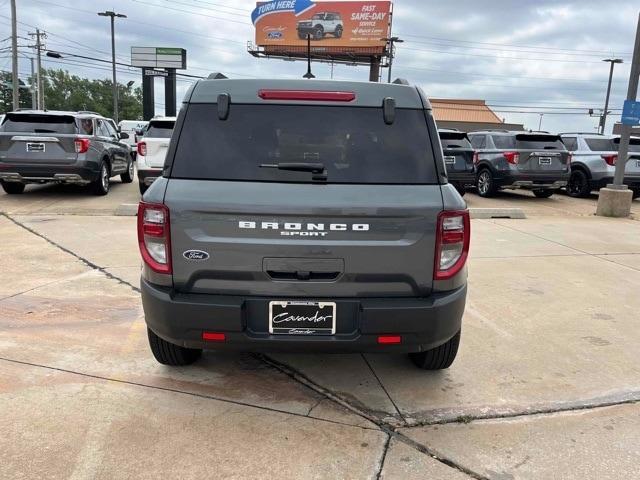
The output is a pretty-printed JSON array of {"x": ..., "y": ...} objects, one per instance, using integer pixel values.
[
  {"x": 152, "y": 149},
  {"x": 594, "y": 162}
]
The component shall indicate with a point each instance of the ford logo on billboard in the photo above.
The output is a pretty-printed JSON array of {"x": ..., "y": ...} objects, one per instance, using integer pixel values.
[{"x": 274, "y": 35}]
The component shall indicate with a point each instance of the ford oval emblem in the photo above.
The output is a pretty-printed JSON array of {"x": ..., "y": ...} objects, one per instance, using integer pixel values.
[{"x": 195, "y": 255}]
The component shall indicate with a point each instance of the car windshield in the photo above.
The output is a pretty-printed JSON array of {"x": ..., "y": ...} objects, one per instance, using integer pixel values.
[
  {"x": 353, "y": 143},
  {"x": 39, "y": 123},
  {"x": 318, "y": 16},
  {"x": 160, "y": 129},
  {"x": 454, "y": 140}
]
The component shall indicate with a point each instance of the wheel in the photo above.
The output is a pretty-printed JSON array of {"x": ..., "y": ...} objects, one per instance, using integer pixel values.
[
  {"x": 100, "y": 186},
  {"x": 485, "y": 184},
  {"x": 302, "y": 36},
  {"x": 169, "y": 354},
  {"x": 13, "y": 188},
  {"x": 543, "y": 193},
  {"x": 143, "y": 187},
  {"x": 437, "y": 358},
  {"x": 338, "y": 32},
  {"x": 318, "y": 33},
  {"x": 578, "y": 185},
  {"x": 127, "y": 177}
]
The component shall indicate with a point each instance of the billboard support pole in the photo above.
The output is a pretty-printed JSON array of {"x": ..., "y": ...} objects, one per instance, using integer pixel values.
[
  {"x": 308, "y": 74},
  {"x": 374, "y": 69},
  {"x": 170, "y": 93},
  {"x": 148, "y": 104}
]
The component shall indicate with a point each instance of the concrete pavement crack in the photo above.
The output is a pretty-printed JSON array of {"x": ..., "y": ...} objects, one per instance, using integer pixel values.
[
  {"x": 383, "y": 457},
  {"x": 384, "y": 389}
]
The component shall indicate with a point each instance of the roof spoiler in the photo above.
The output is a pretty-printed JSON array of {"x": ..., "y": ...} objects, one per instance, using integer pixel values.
[{"x": 216, "y": 76}]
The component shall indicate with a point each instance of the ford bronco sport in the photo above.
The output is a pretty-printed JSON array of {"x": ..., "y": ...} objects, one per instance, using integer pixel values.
[
  {"x": 299, "y": 215},
  {"x": 321, "y": 24}
]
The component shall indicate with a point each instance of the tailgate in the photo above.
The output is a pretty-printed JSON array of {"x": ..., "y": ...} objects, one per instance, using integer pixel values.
[
  {"x": 156, "y": 151},
  {"x": 458, "y": 160},
  {"x": 37, "y": 149},
  {"x": 294, "y": 240}
]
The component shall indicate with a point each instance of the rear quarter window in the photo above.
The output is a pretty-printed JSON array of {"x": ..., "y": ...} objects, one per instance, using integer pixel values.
[
  {"x": 503, "y": 142},
  {"x": 601, "y": 144},
  {"x": 25, "y": 123},
  {"x": 160, "y": 129},
  {"x": 353, "y": 144}
]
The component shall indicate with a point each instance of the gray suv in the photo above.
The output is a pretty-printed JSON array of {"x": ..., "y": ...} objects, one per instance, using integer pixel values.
[
  {"x": 536, "y": 161},
  {"x": 304, "y": 216},
  {"x": 594, "y": 162},
  {"x": 63, "y": 147}
]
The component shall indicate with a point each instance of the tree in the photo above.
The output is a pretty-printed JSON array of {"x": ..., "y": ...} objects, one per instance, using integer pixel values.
[
  {"x": 6, "y": 93},
  {"x": 63, "y": 91}
]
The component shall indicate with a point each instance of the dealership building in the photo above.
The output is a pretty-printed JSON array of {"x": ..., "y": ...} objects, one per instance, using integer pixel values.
[{"x": 468, "y": 115}]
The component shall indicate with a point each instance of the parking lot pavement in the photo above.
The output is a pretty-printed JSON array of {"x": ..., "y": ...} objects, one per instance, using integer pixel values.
[{"x": 549, "y": 337}]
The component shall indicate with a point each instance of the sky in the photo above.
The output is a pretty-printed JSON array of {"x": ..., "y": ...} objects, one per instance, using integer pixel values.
[{"x": 519, "y": 56}]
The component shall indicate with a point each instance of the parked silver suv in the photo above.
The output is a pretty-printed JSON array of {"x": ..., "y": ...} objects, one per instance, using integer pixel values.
[
  {"x": 62, "y": 147},
  {"x": 297, "y": 215},
  {"x": 536, "y": 161},
  {"x": 594, "y": 162}
]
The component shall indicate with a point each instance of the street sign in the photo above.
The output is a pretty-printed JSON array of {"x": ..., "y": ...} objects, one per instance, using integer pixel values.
[
  {"x": 159, "y": 57},
  {"x": 631, "y": 112},
  {"x": 150, "y": 72}
]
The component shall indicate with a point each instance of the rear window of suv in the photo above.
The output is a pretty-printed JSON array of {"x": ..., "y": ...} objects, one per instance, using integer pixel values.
[
  {"x": 161, "y": 129},
  {"x": 39, "y": 123},
  {"x": 352, "y": 143},
  {"x": 454, "y": 140},
  {"x": 534, "y": 142}
]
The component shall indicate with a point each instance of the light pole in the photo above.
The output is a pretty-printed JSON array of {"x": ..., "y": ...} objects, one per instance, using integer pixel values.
[
  {"x": 540, "y": 122},
  {"x": 113, "y": 16},
  {"x": 603, "y": 118},
  {"x": 391, "y": 41}
]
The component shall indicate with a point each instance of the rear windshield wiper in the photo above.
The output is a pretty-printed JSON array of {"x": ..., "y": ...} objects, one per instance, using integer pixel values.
[{"x": 317, "y": 169}]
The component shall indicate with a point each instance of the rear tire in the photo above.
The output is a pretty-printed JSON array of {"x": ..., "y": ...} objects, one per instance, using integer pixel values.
[
  {"x": 100, "y": 186},
  {"x": 170, "y": 354},
  {"x": 338, "y": 32},
  {"x": 127, "y": 177},
  {"x": 318, "y": 33},
  {"x": 485, "y": 183},
  {"x": 437, "y": 358},
  {"x": 143, "y": 187},
  {"x": 543, "y": 193},
  {"x": 13, "y": 188},
  {"x": 578, "y": 185}
]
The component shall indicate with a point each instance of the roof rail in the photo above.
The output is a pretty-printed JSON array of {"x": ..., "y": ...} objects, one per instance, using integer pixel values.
[
  {"x": 490, "y": 130},
  {"x": 401, "y": 81},
  {"x": 580, "y": 133},
  {"x": 216, "y": 76},
  {"x": 89, "y": 112}
]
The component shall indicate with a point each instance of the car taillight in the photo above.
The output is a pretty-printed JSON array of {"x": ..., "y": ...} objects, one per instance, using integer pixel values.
[
  {"x": 154, "y": 236},
  {"x": 142, "y": 149},
  {"x": 307, "y": 95},
  {"x": 452, "y": 243},
  {"x": 610, "y": 159},
  {"x": 512, "y": 157},
  {"x": 82, "y": 145},
  {"x": 476, "y": 158}
]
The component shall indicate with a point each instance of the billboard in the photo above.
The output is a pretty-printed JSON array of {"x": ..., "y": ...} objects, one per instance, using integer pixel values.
[
  {"x": 159, "y": 57},
  {"x": 333, "y": 26}
]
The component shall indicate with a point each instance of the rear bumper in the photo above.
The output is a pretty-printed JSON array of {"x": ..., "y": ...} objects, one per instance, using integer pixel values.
[
  {"x": 48, "y": 173},
  {"x": 531, "y": 182},
  {"x": 147, "y": 175},
  {"x": 423, "y": 323}
]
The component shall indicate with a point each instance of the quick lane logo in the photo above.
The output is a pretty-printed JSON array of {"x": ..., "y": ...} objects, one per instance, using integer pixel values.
[{"x": 295, "y": 229}]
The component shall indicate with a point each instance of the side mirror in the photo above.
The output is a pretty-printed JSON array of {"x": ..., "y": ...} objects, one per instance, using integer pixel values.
[{"x": 124, "y": 135}]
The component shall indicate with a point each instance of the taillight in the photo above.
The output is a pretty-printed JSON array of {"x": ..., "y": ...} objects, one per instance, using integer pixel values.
[
  {"x": 476, "y": 158},
  {"x": 452, "y": 243},
  {"x": 307, "y": 95},
  {"x": 82, "y": 145},
  {"x": 154, "y": 236},
  {"x": 610, "y": 159},
  {"x": 142, "y": 149},
  {"x": 512, "y": 157}
]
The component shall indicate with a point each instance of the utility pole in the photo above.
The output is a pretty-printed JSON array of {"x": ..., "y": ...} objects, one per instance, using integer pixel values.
[
  {"x": 391, "y": 41},
  {"x": 34, "y": 99},
  {"x": 615, "y": 199},
  {"x": 540, "y": 122},
  {"x": 113, "y": 16},
  {"x": 39, "y": 47},
  {"x": 603, "y": 118},
  {"x": 14, "y": 56}
]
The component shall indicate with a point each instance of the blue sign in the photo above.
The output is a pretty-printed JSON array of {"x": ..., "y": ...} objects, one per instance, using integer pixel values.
[
  {"x": 276, "y": 6},
  {"x": 631, "y": 113}
]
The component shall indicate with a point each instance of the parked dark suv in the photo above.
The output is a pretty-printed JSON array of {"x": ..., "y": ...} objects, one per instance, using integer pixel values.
[
  {"x": 297, "y": 215},
  {"x": 536, "y": 161},
  {"x": 459, "y": 158},
  {"x": 62, "y": 147}
]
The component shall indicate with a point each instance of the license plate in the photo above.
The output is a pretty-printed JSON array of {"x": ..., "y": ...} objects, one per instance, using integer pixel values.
[
  {"x": 35, "y": 147},
  {"x": 449, "y": 159},
  {"x": 544, "y": 160},
  {"x": 302, "y": 318},
  {"x": 637, "y": 163}
]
